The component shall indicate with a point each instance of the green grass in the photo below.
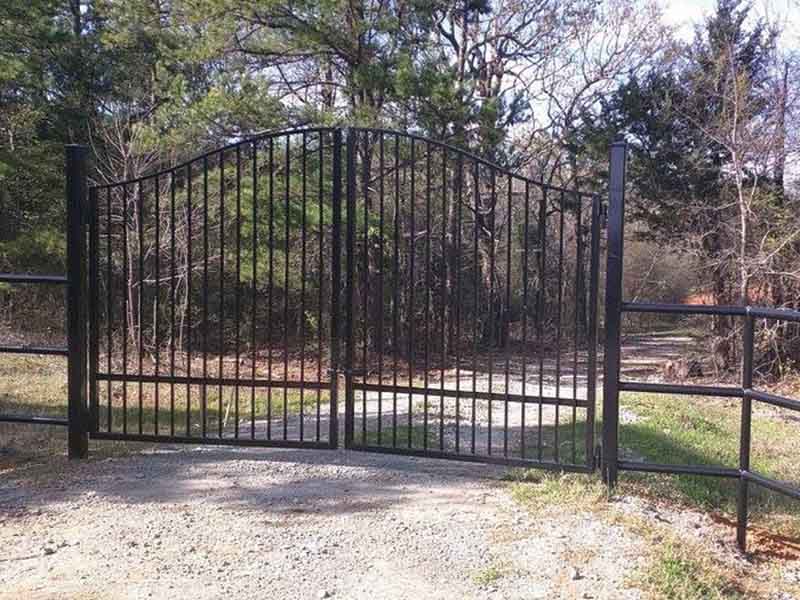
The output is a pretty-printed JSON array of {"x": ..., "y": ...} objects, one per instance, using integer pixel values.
[
  {"x": 568, "y": 437},
  {"x": 543, "y": 490},
  {"x": 705, "y": 431},
  {"x": 676, "y": 573},
  {"x": 488, "y": 575}
]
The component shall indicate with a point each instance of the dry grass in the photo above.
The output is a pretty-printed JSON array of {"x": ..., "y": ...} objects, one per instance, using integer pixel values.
[{"x": 542, "y": 491}]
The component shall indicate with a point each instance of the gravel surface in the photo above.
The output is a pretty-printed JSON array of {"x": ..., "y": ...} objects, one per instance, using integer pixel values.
[{"x": 252, "y": 523}]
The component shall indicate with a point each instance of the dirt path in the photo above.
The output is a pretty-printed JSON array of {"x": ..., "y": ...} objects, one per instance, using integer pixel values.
[{"x": 296, "y": 524}]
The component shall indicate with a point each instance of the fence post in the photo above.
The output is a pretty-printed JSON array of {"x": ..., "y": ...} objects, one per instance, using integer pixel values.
[
  {"x": 744, "y": 436},
  {"x": 613, "y": 317},
  {"x": 77, "y": 409}
]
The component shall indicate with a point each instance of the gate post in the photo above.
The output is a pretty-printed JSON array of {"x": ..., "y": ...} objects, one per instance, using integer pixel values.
[
  {"x": 77, "y": 409},
  {"x": 613, "y": 316}
]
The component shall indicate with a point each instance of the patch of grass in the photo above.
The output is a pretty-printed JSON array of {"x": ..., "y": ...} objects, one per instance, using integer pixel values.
[
  {"x": 488, "y": 575},
  {"x": 32, "y": 386},
  {"x": 679, "y": 573},
  {"x": 539, "y": 490},
  {"x": 705, "y": 431},
  {"x": 37, "y": 386},
  {"x": 38, "y": 383},
  {"x": 220, "y": 404},
  {"x": 678, "y": 567}
]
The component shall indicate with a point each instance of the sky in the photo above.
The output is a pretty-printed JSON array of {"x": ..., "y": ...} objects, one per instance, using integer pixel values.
[{"x": 684, "y": 13}]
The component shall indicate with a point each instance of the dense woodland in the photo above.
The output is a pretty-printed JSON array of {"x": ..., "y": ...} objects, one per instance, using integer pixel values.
[{"x": 539, "y": 88}]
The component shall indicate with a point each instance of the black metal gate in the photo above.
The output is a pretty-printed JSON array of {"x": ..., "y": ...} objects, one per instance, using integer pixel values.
[
  {"x": 205, "y": 326},
  {"x": 471, "y": 296}
]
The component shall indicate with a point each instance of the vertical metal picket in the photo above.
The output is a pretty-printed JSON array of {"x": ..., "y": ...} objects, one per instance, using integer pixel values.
[
  {"x": 591, "y": 367},
  {"x": 77, "y": 409},
  {"x": 349, "y": 397},
  {"x": 616, "y": 220},
  {"x": 336, "y": 277},
  {"x": 94, "y": 308}
]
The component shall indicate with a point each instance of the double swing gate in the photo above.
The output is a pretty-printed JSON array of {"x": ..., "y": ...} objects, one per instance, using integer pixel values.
[
  {"x": 455, "y": 302},
  {"x": 231, "y": 299}
]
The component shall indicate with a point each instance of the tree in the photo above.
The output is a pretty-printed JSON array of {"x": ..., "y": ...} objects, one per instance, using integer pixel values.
[{"x": 708, "y": 137}]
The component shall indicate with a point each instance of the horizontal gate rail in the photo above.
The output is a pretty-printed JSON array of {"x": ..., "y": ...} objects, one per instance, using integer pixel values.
[
  {"x": 40, "y": 350},
  {"x": 481, "y": 395},
  {"x": 645, "y": 467},
  {"x": 476, "y": 458},
  {"x": 781, "y": 314},
  {"x": 209, "y": 440},
  {"x": 685, "y": 390},
  {"x": 31, "y": 278},
  {"x": 615, "y": 307},
  {"x": 34, "y": 420},
  {"x": 213, "y": 381}
]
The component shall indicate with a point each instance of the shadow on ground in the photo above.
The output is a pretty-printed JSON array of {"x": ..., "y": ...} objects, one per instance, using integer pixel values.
[{"x": 280, "y": 481}]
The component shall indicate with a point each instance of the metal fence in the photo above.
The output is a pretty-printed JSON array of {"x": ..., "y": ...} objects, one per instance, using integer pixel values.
[
  {"x": 216, "y": 290},
  {"x": 77, "y": 421},
  {"x": 613, "y": 386}
]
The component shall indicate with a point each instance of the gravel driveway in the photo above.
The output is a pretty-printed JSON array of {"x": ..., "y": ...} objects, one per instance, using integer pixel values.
[{"x": 253, "y": 523}]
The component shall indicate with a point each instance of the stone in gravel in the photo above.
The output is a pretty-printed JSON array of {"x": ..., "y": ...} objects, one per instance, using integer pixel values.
[
  {"x": 576, "y": 574},
  {"x": 324, "y": 594},
  {"x": 47, "y": 550}
]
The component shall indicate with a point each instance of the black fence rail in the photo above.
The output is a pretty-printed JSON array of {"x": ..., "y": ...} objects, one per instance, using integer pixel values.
[
  {"x": 471, "y": 299},
  {"x": 613, "y": 386},
  {"x": 77, "y": 421}
]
